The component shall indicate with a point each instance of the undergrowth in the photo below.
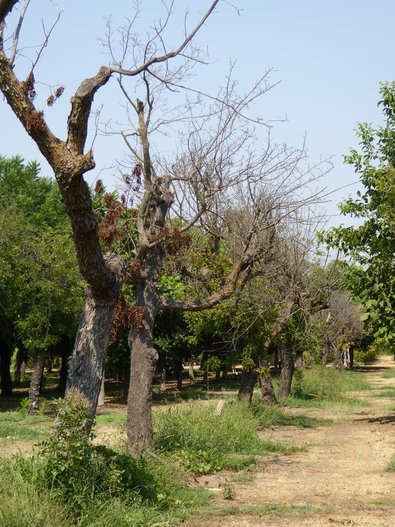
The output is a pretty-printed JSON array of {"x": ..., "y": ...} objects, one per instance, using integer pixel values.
[
  {"x": 205, "y": 442},
  {"x": 321, "y": 383}
]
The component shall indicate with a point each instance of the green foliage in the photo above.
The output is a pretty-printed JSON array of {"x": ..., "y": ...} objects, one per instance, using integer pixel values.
[
  {"x": 69, "y": 452},
  {"x": 204, "y": 442},
  {"x": 40, "y": 284},
  {"x": 28, "y": 500},
  {"x": 370, "y": 246},
  {"x": 108, "y": 475}
]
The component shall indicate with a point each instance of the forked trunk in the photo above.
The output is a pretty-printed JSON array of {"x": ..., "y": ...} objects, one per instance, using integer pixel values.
[
  {"x": 287, "y": 371},
  {"x": 35, "y": 384}
]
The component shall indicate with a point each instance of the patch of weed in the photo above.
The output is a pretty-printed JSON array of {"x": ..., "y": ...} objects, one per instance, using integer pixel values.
[
  {"x": 203, "y": 441},
  {"x": 391, "y": 466}
]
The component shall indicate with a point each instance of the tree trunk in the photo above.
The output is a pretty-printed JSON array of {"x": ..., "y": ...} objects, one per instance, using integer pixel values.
[
  {"x": 144, "y": 356},
  {"x": 87, "y": 362},
  {"x": 163, "y": 380},
  {"x": 287, "y": 371},
  {"x": 248, "y": 381},
  {"x": 126, "y": 382},
  {"x": 5, "y": 365},
  {"x": 142, "y": 369},
  {"x": 191, "y": 373},
  {"x": 338, "y": 360},
  {"x": 267, "y": 391},
  {"x": 100, "y": 400},
  {"x": 34, "y": 390},
  {"x": 66, "y": 349}
]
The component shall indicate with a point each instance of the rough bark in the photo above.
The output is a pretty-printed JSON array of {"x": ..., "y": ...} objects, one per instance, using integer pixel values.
[
  {"x": 144, "y": 356},
  {"x": 267, "y": 391},
  {"x": 248, "y": 381},
  {"x": 287, "y": 371},
  {"x": 100, "y": 400},
  {"x": 35, "y": 384},
  {"x": 87, "y": 362},
  {"x": 143, "y": 363}
]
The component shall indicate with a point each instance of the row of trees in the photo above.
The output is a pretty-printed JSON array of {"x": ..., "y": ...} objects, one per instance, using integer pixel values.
[
  {"x": 190, "y": 231},
  {"x": 280, "y": 316}
]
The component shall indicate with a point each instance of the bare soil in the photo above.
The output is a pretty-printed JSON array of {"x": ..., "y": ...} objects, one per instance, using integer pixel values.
[{"x": 339, "y": 480}]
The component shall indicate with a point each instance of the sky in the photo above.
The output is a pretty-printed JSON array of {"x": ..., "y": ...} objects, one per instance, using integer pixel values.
[{"x": 327, "y": 59}]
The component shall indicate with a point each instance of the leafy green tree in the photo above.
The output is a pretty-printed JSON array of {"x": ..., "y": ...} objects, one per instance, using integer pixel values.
[
  {"x": 370, "y": 245},
  {"x": 41, "y": 286}
]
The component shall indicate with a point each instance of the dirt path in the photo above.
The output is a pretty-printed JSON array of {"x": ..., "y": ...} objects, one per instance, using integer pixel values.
[{"x": 340, "y": 480}]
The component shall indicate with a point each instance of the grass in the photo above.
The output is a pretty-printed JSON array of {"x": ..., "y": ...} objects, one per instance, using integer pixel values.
[
  {"x": 268, "y": 416},
  {"x": 203, "y": 442},
  {"x": 388, "y": 375},
  {"x": 26, "y": 500},
  {"x": 391, "y": 466},
  {"x": 14, "y": 426},
  {"x": 384, "y": 391},
  {"x": 320, "y": 382},
  {"x": 260, "y": 510}
]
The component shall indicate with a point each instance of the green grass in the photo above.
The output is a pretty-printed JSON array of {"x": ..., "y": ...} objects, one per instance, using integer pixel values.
[
  {"x": 341, "y": 404},
  {"x": 391, "y": 466},
  {"x": 388, "y": 375},
  {"x": 203, "y": 442},
  {"x": 384, "y": 391},
  {"x": 330, "y": 384},
  {"x": 268, "y": 416},
  {"x": 16, "y": 427},
  {"x": 110, "y": 418},
  {"x": 27, "y": 500}
]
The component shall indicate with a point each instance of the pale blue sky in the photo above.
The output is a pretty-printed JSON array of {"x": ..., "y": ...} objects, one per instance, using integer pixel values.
[{"x": 329, "y": 57}]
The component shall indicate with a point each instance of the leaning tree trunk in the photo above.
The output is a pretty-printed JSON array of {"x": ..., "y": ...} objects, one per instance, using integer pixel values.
[
  {"x": 87, "y": 363},
  {"x": 287, "y": 371},
  {"x": 35, "y": 383}
]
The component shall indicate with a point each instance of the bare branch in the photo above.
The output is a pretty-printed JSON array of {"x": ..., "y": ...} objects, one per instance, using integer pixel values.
[{"x": 17, "y": 31}]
